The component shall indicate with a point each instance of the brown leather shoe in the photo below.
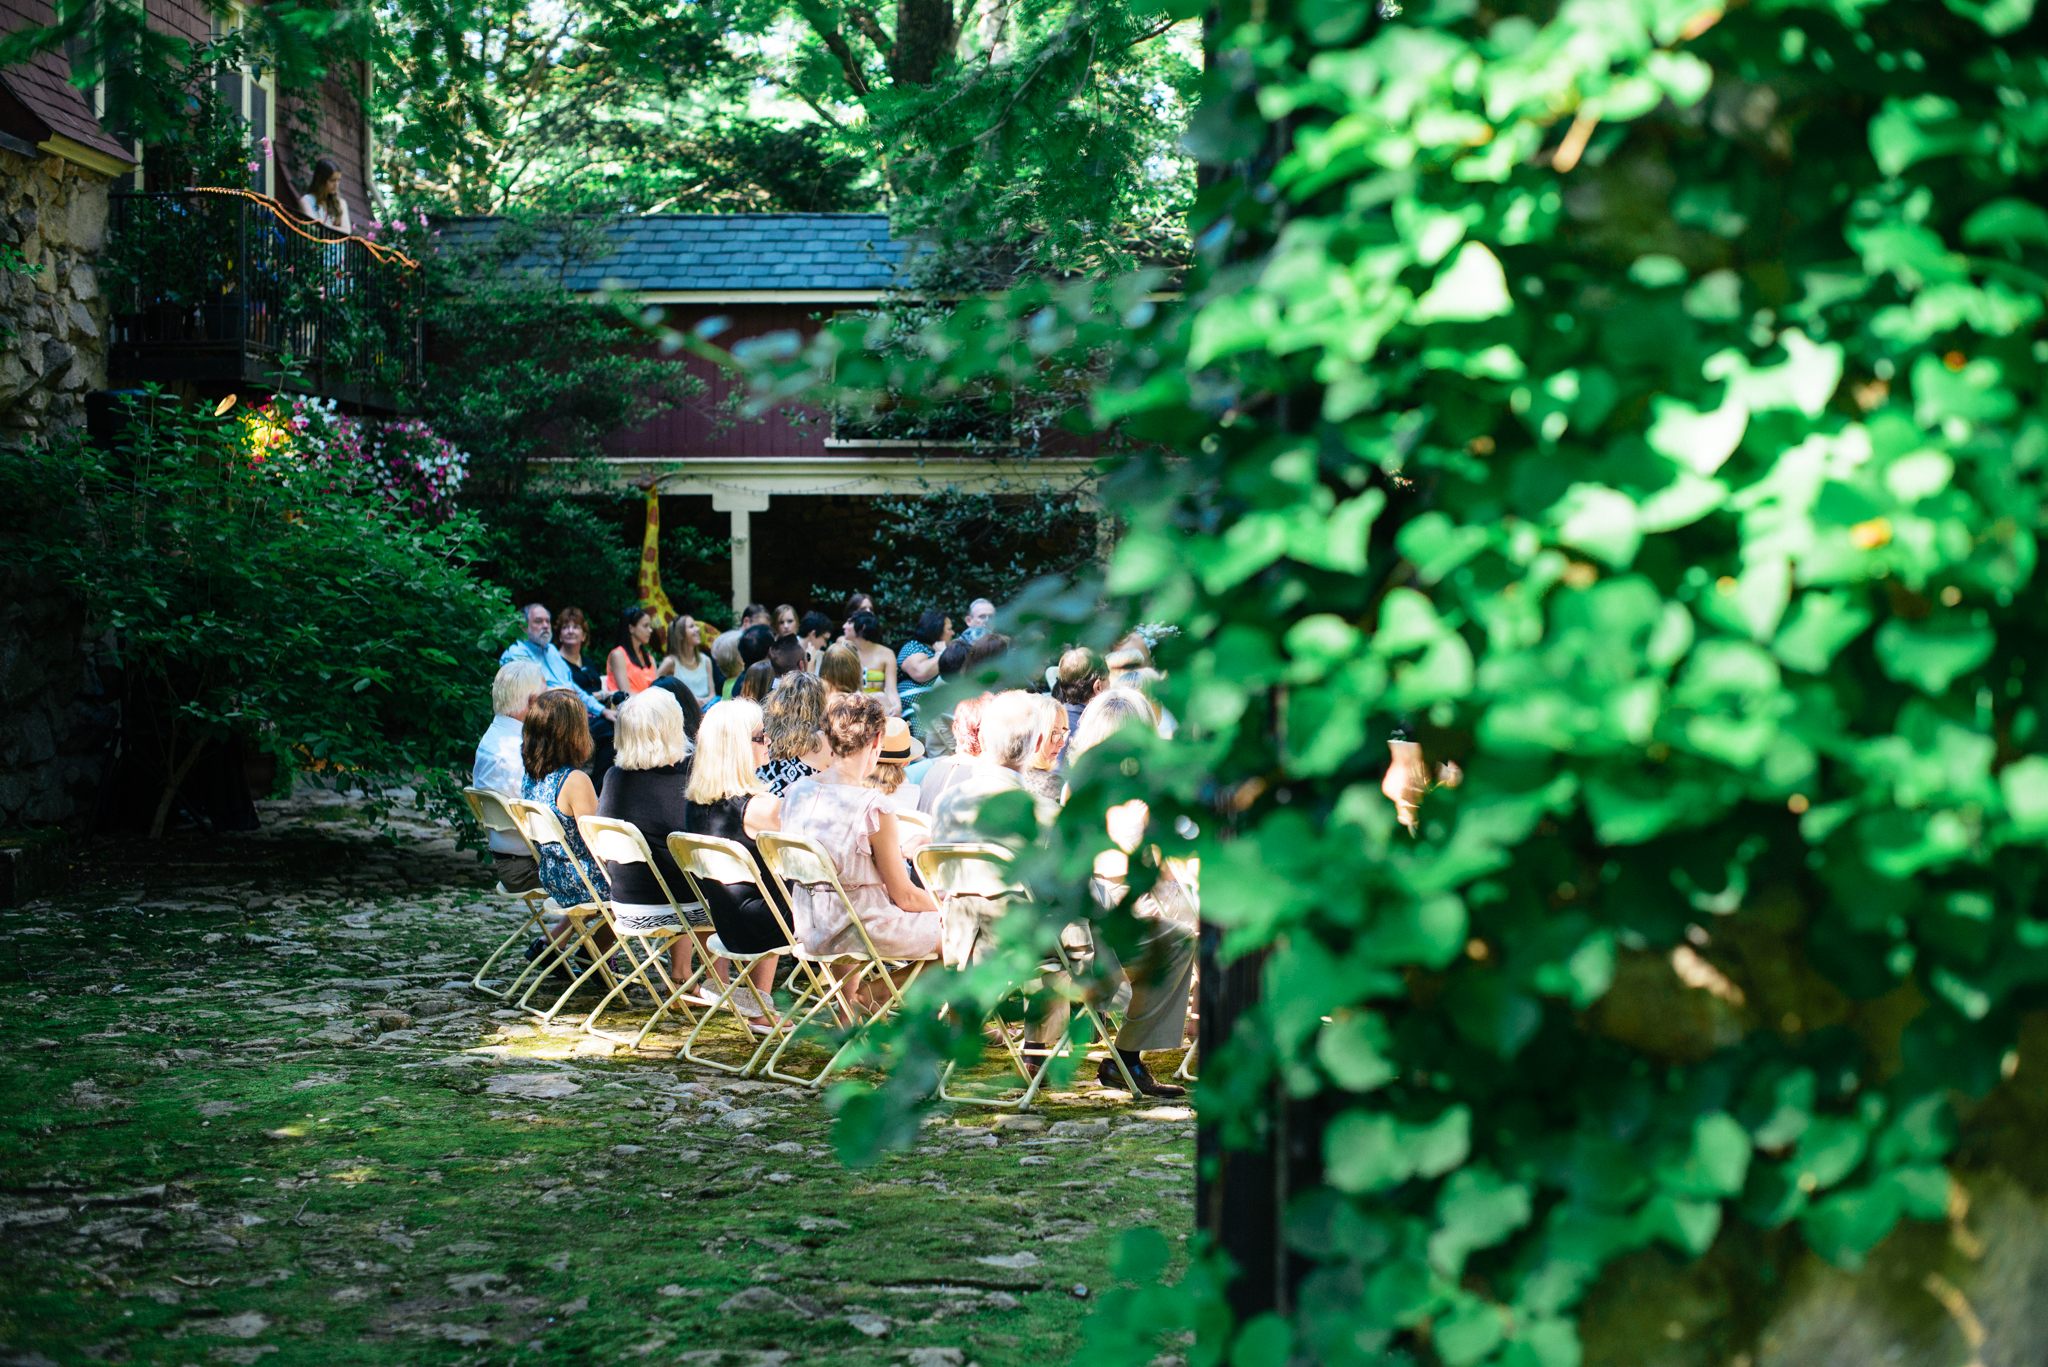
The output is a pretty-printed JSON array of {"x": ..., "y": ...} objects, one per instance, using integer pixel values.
[{"x": 1106, "y": 1075}]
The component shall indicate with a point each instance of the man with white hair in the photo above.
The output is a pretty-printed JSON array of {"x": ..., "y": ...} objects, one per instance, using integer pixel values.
[
  {"x": 499, "y": 768},
  {"x": 539, "y": 647},
  {"x": 1016, "y": 729},
  {"x": 980, "y": 613}
]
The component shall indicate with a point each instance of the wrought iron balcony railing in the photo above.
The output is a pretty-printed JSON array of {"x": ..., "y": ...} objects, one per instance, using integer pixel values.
[{"x": 217, "y": 287}]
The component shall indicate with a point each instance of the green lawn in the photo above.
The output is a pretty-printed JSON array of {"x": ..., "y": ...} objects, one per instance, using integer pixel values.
[{"x": 253, "y": 1113}]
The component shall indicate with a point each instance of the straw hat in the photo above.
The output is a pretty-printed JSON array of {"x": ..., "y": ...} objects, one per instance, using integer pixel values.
[{"x": 898, "y": 745}]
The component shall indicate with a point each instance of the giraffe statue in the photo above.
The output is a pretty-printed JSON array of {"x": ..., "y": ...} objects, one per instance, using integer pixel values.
[{"x": 649, "y": 585}]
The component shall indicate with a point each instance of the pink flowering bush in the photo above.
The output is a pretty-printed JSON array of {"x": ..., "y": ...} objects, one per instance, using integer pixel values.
[{"x": 405, "y": 460}]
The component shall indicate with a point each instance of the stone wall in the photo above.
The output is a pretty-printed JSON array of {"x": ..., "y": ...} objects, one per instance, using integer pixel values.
[
  {"x": 55, "y": 722},
  {"x": 55, "y": 214}
]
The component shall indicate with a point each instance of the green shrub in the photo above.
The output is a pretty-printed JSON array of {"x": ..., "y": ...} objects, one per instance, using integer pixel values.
[{"x": 253, "y": 593}]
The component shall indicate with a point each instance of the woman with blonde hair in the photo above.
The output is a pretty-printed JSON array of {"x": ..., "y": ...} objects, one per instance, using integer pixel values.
[
  {"x": 728, "y": 800},
  {"x": 840, "y": 669},
  {"x": 646, "y": 787},
  {"x": 857, "y": 829}
]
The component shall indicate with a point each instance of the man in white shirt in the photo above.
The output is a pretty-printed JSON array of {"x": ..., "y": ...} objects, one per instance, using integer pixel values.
[
  {"x": 499, "y": 768},
  {"x": 539, "y": 647},
  {"x": 980, "y": 613},
  {"x": 1012, "y": 735}
]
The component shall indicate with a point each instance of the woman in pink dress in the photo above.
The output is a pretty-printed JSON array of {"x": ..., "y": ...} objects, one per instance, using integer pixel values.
[{"x": 856, "y": 827}]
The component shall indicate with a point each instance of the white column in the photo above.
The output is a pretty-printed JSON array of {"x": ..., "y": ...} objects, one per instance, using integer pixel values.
[{"x": 741, "y": 504}]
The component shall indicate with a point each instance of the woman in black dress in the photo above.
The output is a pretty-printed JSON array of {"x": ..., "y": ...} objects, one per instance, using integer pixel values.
[{"x": 728, "y": 800}]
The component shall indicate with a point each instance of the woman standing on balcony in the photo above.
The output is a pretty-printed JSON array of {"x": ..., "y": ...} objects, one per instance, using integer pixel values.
[{"x": 323, "y": 202}]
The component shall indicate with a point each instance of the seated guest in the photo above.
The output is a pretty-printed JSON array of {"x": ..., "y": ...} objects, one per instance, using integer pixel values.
[
  {"x": 554, "y": 743},
  {"x": 899, "y": 748},
  {"x": 794, "y": 718},
  {"x": 815, "y": 631},
  {"x": 877, "y": 663},
  {"x": 1038, "y": 772},
  {"x": 938, "y": 726},
  {"x": 572, "y": 633},
  {"x": 986, "y": 650},
  {"x": 689, "y": 661},
  {"x": 855, "y": 827},
  {"x": 942, "y": 773},
  {"x": 630, "y": 666},
  {"x": 1016, "y": 728},
  {"x": 693, "y": 715},
  {"x": 917, "y": 663},
  {"x": 648, "y": 789},
  {"x": 497, "y": 766},
  {"x": 754, "y": 643},
  {"x": 728, "y": 800},
  {"x": 725, "y": 649},
  {"x": 538, "y": 645},
  {"x": 758, "y": 682},
  {"x": 840, "y": 669},
  {"x": 787, "y": 656},
  {"x": 980, "y": 613},
  {"x": 1081, "y": 677}
]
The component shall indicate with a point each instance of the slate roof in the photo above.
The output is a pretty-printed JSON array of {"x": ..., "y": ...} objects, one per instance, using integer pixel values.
[
  {"x": 42, "y": 85},
  {"x": 716, "y": 253}
]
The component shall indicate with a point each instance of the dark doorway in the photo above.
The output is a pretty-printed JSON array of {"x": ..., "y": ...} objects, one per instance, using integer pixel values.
[{"x": 804, "y": 542}]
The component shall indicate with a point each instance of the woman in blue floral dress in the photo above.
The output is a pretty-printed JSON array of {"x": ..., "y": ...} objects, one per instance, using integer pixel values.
[{"x": 555, "y": 742}]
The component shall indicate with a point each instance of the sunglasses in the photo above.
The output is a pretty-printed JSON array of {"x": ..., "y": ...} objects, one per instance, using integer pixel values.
[{"x": 760, "y": 738}]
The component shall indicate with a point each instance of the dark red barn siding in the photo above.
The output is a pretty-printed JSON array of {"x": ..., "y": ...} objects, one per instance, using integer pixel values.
[{"x": 706, "y": 426}]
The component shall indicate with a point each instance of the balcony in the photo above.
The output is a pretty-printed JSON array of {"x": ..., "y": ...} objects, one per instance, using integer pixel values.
[{"x": 218, "y": 290}]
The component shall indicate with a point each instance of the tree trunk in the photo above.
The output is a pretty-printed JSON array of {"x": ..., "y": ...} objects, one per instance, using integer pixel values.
[
  {"x": 924, "y": 37},
  {"x": 172, "y": 783}
]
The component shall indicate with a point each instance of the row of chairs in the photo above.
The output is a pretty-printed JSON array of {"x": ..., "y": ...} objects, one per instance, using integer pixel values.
[{"x": 818, "y": 984}]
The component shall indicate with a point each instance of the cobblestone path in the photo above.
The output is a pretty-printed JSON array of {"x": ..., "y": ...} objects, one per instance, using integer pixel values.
[{"x": 251, "y": 1112}]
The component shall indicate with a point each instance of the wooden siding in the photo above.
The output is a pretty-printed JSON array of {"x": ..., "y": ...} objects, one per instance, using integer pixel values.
[
  {"x": 338, "y": 135},
  {"x": 191, "y": 20},
  {"x": 704, "y": 427}
]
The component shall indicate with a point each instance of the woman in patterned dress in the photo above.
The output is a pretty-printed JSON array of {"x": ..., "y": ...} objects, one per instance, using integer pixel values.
[{"x": 857, "y": 829}]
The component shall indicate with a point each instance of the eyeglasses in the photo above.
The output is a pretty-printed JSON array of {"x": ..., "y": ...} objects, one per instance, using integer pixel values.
[{"x": 760, "y": 738}]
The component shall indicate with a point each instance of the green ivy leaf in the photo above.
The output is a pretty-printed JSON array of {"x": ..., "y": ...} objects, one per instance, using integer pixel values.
[
  {"x": 1931, "y": 656},
  {"x": 1370, "y": 1151},
  {"x": 1477, "y": 1209},
  {"x": 1353, "y": 1049},
  {"x": 1473, "y": 289},
  {"x": 1821, "y": 625}
]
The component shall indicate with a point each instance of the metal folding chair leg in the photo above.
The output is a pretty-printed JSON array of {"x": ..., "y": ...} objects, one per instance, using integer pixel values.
[
  {"x": 1034, "y": 1080},
  {"x": 657, "y": 960},
  {"x": 742, "y": 970},
  {"x": 832, "y": 992},
  {"x": 600, "y": 965},
  {"x": 535, "y": 916}
]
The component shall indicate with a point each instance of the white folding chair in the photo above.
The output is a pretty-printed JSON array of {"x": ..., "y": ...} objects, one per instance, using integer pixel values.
[
  {"x": 488, "y": 807},
  {"x": 798, "y": 859},
  {"x": 612, "y": 841},
  {"x": 542, "y": 828},
  {"x": 982, "y": 869},
  {"x": 711, "y": 859}
]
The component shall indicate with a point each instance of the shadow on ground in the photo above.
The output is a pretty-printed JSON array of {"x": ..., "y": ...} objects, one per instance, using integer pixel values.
[{"x": 253, "y": 1112}]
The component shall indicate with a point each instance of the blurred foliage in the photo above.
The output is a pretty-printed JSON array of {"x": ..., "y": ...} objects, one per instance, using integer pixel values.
[
  {"x": 256, "y": 592},
  {"x": 946, "y": 547},
  {"x": 1646, "y": 401}
]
